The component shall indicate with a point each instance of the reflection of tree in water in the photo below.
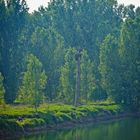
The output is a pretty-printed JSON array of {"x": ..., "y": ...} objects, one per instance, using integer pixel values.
[
  {"x": 35, "y": 137},
  {"x": 118, "y": 130}
]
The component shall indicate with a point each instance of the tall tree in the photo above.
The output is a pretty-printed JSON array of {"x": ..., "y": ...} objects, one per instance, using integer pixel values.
[
  {"x": 34, "y": 82},
  {"x": 68, "y": 77},
  {"x": 48, "y": 46},
  {"x": 2, "y": 90},
  {"x": 130, "y": 58},
  {"x": 14, "y": 13},
  {"x": 110, "y": 68},
  {"x": 88, "y": 84}
]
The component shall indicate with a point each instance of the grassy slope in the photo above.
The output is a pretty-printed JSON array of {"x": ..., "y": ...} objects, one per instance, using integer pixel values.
[{"x": 49, "y": 114}]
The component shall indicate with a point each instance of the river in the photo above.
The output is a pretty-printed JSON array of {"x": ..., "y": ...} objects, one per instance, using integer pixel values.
[{"x": 126, "y": 129}]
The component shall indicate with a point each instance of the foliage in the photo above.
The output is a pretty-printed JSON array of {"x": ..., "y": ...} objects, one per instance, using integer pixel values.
[
  {"x": 107, "y": 33},
  {"x": 68, "y": 77},
  {"x": 130, "y": 57},
  {"x": 110, "y": 67},
  {"x": 33, "y": 84},
  {"x": 48, "y": 112},
  {"x": 31, "y": 122},
  {"x": 12, "y": 22},
  {"x": 2, "y": 90}
]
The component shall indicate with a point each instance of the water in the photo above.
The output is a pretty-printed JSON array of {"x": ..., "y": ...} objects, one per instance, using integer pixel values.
[{"x": 126, "y": 129}]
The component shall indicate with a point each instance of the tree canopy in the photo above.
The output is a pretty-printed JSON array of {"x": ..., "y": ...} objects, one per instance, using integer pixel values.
[{"x": 107, "y": 33}]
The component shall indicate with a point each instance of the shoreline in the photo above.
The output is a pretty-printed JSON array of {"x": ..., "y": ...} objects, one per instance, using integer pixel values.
[{"x": 85, "y": 121}]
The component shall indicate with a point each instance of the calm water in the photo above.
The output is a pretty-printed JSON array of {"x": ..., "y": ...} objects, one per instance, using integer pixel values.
[{"x": 127, "y": 129}]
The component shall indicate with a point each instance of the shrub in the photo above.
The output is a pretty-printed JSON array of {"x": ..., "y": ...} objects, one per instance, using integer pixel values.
[
  {"x": 31, "y": 122},
  {"x": 63, "y": 116}
]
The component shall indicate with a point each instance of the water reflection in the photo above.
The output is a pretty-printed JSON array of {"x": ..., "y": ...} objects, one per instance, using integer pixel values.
[{"x": 127, "y": 129}]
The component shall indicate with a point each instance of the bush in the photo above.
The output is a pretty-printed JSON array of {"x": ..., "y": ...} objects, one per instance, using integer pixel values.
[
  {"x": 31, "y": 122},
  {"x": 53, "y": 114},
  {"x": 62, "y": 117}
]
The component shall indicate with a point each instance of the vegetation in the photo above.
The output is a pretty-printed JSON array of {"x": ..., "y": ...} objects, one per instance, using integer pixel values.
[
  {"x": 49, "y": 38},
  {"x": 38, "y": 61},
  {"x": 68, "y": 77},
  {"x": 2, "y": 90},
  {"x": 33, "y": 84},
  {"x": 22, "y": 118}
]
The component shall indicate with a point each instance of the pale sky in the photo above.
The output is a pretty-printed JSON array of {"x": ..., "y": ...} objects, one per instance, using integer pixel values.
[
  {"x": 127, "y": 2},
  {"x": 34, "y": 4}
]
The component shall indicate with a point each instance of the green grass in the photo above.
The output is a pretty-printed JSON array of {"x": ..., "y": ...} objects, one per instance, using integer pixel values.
[
  {"x": 31, "y": 122},
  {"x": 52, "y": 114},
  {"x": 16, "y": 110}
]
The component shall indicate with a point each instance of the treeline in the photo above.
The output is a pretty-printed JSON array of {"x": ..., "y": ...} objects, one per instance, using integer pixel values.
[{"x": 37, "y": 52}]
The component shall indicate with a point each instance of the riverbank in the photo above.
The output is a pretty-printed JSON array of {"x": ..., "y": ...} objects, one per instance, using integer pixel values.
[{"x": 22, "y": 120}]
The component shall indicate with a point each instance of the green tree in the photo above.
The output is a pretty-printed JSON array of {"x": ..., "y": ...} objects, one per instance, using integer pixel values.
[
  {"x": 34, "y": 82},
  {"x": 68, "y": 77},
  {"x": 130, "y": 59},
  {"x": 12, "y": 20},
  {"x": 110, "y": 68},
  {"x": 87, "y": 77},
  {"x": 48, "y": 46},
  {"x": 2, "y": 90}
]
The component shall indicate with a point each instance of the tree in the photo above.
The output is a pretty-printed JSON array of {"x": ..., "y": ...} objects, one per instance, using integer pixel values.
[
  {"x": 2, "y": 90},
  {"x": 34, "y": 82},
  {"x": 110, "y": 68},
  {"x": 87, "y": 78},
  {"x": 68, "y": 77},
  {"x": 12, "y": 21},
  {"x": 107, "y": 33},
  {"x": 130, "y": 59}
]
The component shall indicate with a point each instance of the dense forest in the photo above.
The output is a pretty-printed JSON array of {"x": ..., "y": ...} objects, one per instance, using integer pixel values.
[{"x": 38, "y": 52}]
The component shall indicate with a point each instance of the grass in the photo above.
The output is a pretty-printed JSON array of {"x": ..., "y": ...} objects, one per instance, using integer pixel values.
[
  {"x": 31, "y": 122},
  {"x": 16, "y": 110},
  {"x": 51, "y": 114}
]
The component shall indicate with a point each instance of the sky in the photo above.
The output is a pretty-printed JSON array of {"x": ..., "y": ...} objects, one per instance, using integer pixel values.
[{"x": 34, "y": 4}]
